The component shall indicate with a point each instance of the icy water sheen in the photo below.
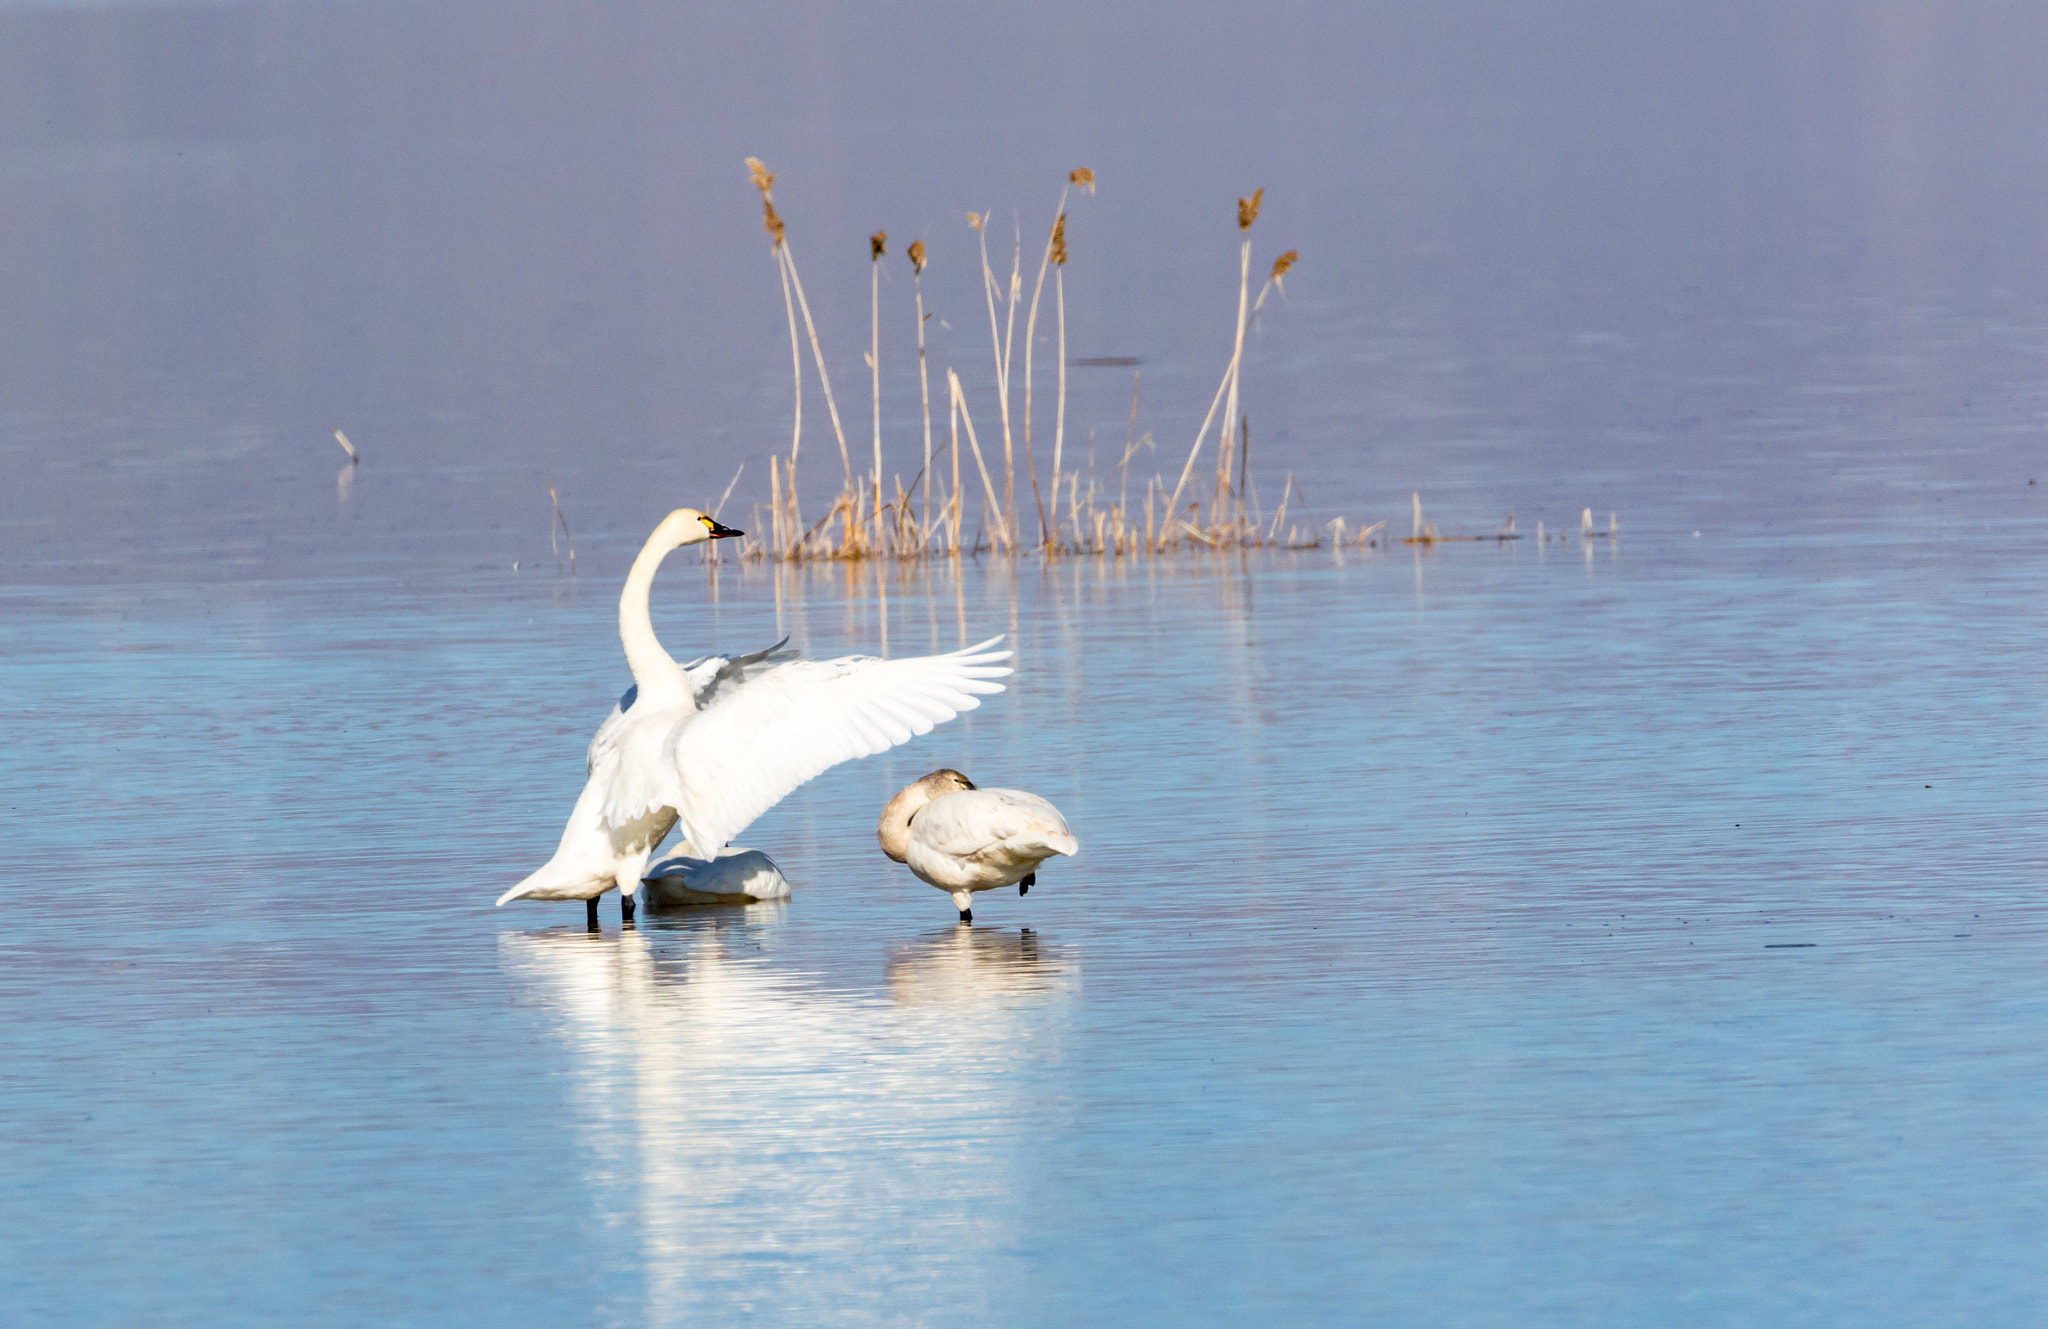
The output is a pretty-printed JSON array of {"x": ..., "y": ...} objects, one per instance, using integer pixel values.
[{"x": 1644, "y": 931}]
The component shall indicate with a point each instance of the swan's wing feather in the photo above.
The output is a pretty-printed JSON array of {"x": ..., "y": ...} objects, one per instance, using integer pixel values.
[
  {"x": 728, "y": 765},
  {"x": 607, "y": 736},
  {"x": 713, "y": 677},
  {"x": 730, "y": 675},
  {"x": 635, "y": 776},
  {"x": 964, "y": 824}
]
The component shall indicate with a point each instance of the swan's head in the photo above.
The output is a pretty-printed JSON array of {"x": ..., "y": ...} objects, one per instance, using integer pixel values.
[
  {"x": 687, "y": 526},
  {"x": 894, "y": 829}
]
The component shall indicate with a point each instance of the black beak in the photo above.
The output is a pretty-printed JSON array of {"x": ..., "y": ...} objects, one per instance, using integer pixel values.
[
  {"x": 969, "y": 783},
  {"x": 721, "y": 532}
]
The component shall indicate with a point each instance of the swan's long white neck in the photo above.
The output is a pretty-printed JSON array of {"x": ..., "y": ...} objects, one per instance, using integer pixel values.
[{"x": 659, "y": 678}]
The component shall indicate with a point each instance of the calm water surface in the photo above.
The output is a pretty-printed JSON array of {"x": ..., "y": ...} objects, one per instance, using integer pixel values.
[{"x": 1644, "y": 931}]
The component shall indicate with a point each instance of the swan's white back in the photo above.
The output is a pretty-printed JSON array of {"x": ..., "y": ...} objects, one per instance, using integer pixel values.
[{"x": 736, "y": 874}]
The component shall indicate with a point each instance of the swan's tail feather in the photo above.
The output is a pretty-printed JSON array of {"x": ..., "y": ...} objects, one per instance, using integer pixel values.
[
  {"x": 550, "y": 883},
  {"x": 1045, "y": 844}
]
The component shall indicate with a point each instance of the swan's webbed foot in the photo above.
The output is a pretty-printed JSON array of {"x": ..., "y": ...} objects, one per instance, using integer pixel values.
[
  {"x": 966, "y": 915},
  {"x": 1024, "y": 886},
  {"x": 590, "y": 912},
  {"x": 625, "y": 908}
]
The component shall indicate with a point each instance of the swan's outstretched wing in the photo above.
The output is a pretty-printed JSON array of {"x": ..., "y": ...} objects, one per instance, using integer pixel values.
[
  {"x": 726, "y": 766},
  {"x": 716, "y": 677},
  {"x": 710, "y": 678}
]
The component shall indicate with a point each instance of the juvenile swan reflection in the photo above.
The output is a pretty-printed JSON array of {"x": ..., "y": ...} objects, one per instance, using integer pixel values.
[
  {"x": 965, "y": 966},
  {"x": 759, "y": 1134},
  {"x": 962, "y": 839}
]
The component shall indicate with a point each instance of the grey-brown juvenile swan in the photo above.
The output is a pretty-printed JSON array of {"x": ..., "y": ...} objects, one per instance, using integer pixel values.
[{"x": 962, "y": 839}]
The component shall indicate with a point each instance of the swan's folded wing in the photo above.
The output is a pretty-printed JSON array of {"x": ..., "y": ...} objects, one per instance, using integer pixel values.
[
  {"x": 732, "y": 763},
  {"x": 967, "y": 823}
]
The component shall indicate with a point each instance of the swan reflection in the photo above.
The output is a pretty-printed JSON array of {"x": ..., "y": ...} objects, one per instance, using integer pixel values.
[
  {"x": 761, "y": 1136},
  {"x": 964, "y": 965}
]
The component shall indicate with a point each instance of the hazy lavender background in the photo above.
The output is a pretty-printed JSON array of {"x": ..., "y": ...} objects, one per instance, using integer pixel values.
[{"x": 1415, "y": 969}]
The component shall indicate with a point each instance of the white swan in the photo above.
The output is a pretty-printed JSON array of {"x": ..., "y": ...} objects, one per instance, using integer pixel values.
[
  {"x": 962, "y": 839},
  {"x": 713, "y": 753},
  {"x": 736, "y": 876}
]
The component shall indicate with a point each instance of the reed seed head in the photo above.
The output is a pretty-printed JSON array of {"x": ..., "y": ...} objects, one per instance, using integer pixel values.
[
  {"x": 1284, "y": 264},
  {"x": 1248, "y": 209},
  {"x": 1082, "y": 178},
  {"x": 763, "y": 178},
  {"x": 878, "y": 245},
  {"x": 976, "y": 220},
  {"x": 771, "y": 223},
  {"x": 916, "y": 252},
  {"x": 1059, "y": 241}
]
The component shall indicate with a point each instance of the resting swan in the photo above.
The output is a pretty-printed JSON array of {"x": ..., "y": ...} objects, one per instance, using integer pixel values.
[
  {"x": 962, "y": 839},
  {"x": 736, "y": 876},
  {"x": 711, "y": 749}
]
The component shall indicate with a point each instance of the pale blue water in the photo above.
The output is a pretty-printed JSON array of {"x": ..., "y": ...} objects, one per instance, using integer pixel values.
[{"x": 1643, "y": 932}]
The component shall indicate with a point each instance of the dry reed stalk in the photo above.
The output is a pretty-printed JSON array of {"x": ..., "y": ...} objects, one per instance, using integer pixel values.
[
  {"x": 818, "y": 357},
  {"x": 979, "y": 221},
  {"x": 346, "y": 446},
  {"x": 988, "y": 486},
  {"x": 712, "y": 553},
  {"x": 1059, "y": 288},
  {"x": 1055, "y": 254},
  {"x": 567, "y": 538},
  {"x": 878, "y": 245},
  {"x": 924, "y": 388},
  {"x": 1247, "y": 213},
  {"x": 764, "y": 180},
  {"x": 953, "y": 428},
  {"x": 775, "y": 502},
  {"x": 1244, "y": 452},
  {"x": 1009, "y": 512}
]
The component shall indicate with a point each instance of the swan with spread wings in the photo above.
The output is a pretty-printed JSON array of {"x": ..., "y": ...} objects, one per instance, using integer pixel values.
[{"x": 713, "y": 745}]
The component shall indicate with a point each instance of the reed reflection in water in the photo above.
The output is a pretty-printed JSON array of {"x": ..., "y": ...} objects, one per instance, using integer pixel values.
[{"x": 764, "y": 1132}]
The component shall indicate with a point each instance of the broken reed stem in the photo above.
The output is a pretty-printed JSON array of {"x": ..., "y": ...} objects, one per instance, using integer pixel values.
[
  {"x": 567, "y": 538},
  {"x": 712, "y": 554},
  {"x": 349, "y": 447},
  {"x": 988, "y": 486}
]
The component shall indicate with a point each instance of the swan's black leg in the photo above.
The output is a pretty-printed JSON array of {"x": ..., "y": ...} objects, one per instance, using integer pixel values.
[
  {"x": 1024, "y": 886},
  {"x": 625, "y": 908},
  {"x": 966, "y": 915},
  {"x": 590, "y": 907}
]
